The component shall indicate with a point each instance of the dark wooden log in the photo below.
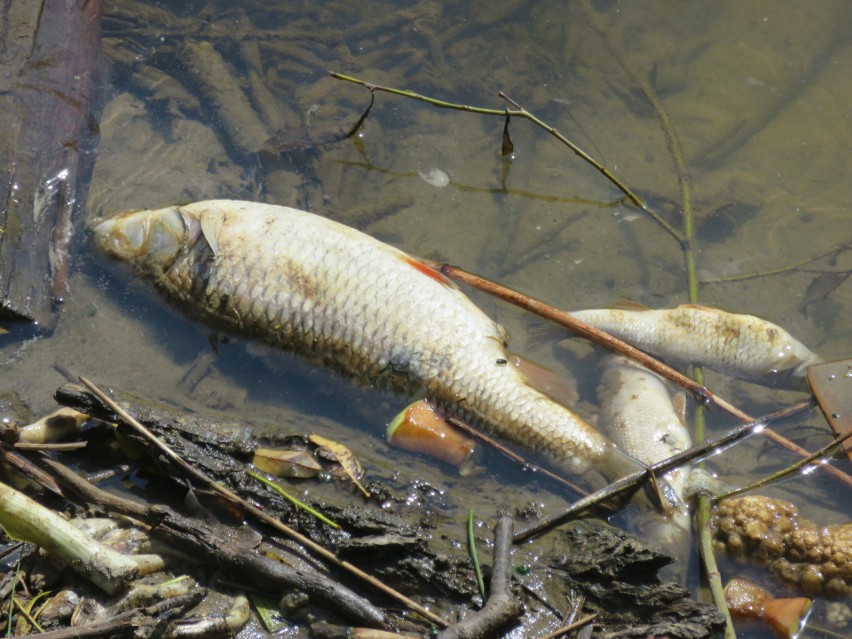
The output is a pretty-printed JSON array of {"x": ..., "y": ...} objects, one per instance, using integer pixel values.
[{"x": 48, "y": 59}]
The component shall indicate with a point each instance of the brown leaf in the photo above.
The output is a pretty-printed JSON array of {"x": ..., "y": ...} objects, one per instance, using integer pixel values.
[
  {"x": 343, "y": 456},
  {"x": 821, "y": 287},
  {"x": 286, "y": 463},
  {"x": 507, "y": 147}
]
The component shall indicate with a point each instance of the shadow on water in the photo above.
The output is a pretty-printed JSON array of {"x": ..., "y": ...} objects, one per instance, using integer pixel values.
[{"x": 757, "y": 93}]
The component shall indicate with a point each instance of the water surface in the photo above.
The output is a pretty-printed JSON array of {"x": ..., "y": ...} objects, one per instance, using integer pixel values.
[{"x": 755, "y": 94}]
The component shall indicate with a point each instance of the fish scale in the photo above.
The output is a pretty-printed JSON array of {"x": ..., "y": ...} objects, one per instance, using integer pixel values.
[{"x": 344, "y": 300}]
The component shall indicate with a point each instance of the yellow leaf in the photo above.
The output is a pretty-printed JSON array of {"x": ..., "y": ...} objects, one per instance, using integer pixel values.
[{"x": 343, "y": 456}]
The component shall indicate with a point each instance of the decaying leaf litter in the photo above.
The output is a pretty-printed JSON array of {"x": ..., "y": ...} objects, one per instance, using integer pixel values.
[{"x": 402, "y": 215}]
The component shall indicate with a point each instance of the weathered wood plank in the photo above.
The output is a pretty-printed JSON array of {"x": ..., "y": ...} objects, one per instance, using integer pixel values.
[{"x": 48, "y": 54}]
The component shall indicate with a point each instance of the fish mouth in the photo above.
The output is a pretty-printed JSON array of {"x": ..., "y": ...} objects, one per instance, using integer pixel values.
[{"x": 153, "y": 237}]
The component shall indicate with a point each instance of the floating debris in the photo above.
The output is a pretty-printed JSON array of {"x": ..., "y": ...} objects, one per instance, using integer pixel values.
[
  {"x": 435, "y": 177},
  {"x": 420, "y": 429},
  {"x": 785, "y": 615},
  {"x": 770, "y": 532}
]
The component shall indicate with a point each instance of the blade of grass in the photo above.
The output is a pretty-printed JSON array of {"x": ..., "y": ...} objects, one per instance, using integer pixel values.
[{"x": 298, "y": 504}]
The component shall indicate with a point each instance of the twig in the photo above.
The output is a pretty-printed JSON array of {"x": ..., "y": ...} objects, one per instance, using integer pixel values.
[
  {"x": 258, "y": 514},
  {"x": 780, "y": 269},
  {"x": 785, "y": 472},
  {"x": 515, "y": 457},
  {"x": 27, "y": 468},
  {"x": 501, "y": 607},
  {"x": 129, "y": 623},
  {"x": 632, "y": 481},
  {"x": 571, "y": 626},
  {"x": 520, "y": 112},
  {"x": 701, "y": 393}
]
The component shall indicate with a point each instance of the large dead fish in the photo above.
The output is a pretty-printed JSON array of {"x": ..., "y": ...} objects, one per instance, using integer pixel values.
[
  {"x": 343, "y": 299},
  {"x": 739, "y": 345}
]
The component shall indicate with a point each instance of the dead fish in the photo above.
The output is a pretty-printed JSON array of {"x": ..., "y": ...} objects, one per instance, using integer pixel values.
[
  {"x": 740, "y": 345},
  {"x": 640, "y": 415},
  {"x": 342, "y": 299}
]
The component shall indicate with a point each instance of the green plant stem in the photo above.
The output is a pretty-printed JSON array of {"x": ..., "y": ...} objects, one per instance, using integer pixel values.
[
  {"x": 785, "y": 472},
  {"x": 293, "y": 500},
  {"x": 708, "y": 558},
  {"x": 474, "y": 557}
]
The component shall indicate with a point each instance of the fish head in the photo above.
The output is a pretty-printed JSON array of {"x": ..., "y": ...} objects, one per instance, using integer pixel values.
[{"x": 150, "y": 239}]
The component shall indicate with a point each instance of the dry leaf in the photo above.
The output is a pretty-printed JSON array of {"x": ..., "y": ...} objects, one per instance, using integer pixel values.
[
  {"x": 343, "y": 456},
  {"x": 286, "y": 463},
  {"x": 821, "y": 287}
]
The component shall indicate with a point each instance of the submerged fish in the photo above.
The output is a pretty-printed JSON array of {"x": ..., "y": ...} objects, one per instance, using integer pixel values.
[
  {"x": 739, "y": 345},
  {"x": 639, "y": 415},
  {"x": 307, "y": 284}
]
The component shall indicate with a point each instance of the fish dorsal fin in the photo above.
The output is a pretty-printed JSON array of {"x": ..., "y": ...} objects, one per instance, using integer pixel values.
[
  {"x": 211, "y": 225},
  {"x": 702, "y": 307},
  {"x": 679, "y": 406},
  {"x": 547, "y": 382},
  {"x": 428, "y": 268},
  {"x": 630, "y": 305}
]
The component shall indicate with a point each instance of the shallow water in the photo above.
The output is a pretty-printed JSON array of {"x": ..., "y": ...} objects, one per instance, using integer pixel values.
[{"x": 757, "y": 95}]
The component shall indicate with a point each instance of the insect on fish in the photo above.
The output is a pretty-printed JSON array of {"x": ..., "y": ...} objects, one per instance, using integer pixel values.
[
  {"x": 740, "y": 345},
  {"x": 342, "y": 299}
]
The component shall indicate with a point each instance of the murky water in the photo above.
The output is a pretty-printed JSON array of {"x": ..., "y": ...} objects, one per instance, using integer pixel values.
[{"x": 756, "y": 94}]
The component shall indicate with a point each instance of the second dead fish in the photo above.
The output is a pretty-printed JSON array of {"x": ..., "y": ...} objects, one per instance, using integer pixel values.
[
  {"x": 638, "y": 414},
  {"x": 740, "y": 345}
]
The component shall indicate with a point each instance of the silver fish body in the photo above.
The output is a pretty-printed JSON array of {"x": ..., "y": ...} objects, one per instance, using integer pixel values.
[
  {"x": 740, "y": 345},
  {"x": 339, "y": 297},
  {"x": 639, "y": 415}
]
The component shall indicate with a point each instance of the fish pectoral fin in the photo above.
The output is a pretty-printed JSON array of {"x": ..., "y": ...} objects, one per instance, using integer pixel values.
[
  {"x": 211, "y": 225},
  {"x": 662, "y": 495},
  {"x": 547, "y": 382},
  {"x": 630, "y": 305},
  {"x": 429, "y": 268},
  {"x": 679, "y": 405}
]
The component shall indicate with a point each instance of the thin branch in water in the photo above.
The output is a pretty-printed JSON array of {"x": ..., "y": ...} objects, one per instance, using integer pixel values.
[
  {"x": 780, "y": 269},
  {"x": 515, "y": 457},
  {"x": 786, "y": 472},
  {"x": 523, "y": 113},
  {"x": 633, "y": 480}
]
